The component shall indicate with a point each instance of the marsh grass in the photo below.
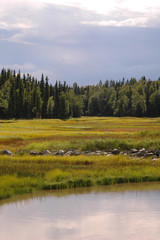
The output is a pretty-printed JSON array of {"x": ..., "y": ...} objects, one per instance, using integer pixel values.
[
  {"x": 23, "y": 174},
  {"x": 82, "y": 133},
  {"x": 26, "y": 174},
  {"x": 93, "y": 144},
  {"x": 121, "y": 144}
]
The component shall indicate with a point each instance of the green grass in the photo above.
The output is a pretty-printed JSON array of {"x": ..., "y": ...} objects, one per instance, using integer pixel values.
[
  {"x": 85, "y": 133},
  {"x": 25, "y": 174}
]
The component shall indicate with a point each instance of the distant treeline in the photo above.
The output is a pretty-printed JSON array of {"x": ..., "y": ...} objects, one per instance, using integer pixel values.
[{"x": 23, "y": 96}]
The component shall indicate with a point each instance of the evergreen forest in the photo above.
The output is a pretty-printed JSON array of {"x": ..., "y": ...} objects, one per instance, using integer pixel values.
[{"x": 24, "y": 97}]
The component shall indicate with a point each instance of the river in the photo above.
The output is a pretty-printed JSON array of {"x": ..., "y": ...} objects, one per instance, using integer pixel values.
[{"x": 123, "y": 212}]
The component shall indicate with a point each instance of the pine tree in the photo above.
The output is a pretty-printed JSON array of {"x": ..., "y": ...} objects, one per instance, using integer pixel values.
[
  {"x": 12, "y": 102},
  {"x": 56, "y": 100},
  {"x": 63, "y": 112}
]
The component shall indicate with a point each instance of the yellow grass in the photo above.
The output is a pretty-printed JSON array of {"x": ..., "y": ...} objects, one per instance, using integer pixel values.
[{"x": 16, "y": 134}]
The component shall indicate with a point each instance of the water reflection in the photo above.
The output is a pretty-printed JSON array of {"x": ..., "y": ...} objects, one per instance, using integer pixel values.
[{"x": 119, "y": 212}]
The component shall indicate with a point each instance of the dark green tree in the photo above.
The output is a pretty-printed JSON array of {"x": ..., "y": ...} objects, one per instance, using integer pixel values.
[{"x": 63, "y": 107}]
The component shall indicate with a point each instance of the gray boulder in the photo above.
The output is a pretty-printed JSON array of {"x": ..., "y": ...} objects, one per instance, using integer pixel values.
[
  {"x": 61, "y": 152},
  {"x": 46, "y": 152},
  {"x": 69, "y": 153},
  {"x": 33, "y": 153},
  {"x": 157, "y": 153},
  {"x": 133, "y": 150},
  {"x": 76, "y": 153},
  {"x": 115, "y": 151},
  {"x": 6, "y": 152},
  {"x": 141, "y": 154},
  {"x": 90, "y": 153},
  {"x": 142, "y": 150}
]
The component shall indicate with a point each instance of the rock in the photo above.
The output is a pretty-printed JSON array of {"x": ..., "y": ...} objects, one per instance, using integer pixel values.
[
  {"x": 121, "y": 153},
  {"x": 141, "y": 154},
  {"x": 46, "y": 152},
  {"x": 133, "y": 150},
  {"x": 90, "y": 153},
  {"x": 69, "y": 153},
  {"x": 97, "y": 151},
  {"x": 33, "y": 153},
  {"x": 41, "y": 153},
  {"x": 149, "y": 154},
  {"x": 157, "y": 153},
  {"x": 76, "y": 153},
  {"x": 61, "y": 152},
  {"x": 142, "y": 150},
  {"x": 109, "y": 154},
  {"x": 151, "y": 151},
  {"x": 115, "y": 151},
  {"x": 154, "y": 159},
  {"x": 105, "y": 153},
  {"x": 70, "y": 149},
  {"x": 6, "y": 152},
  {"x": 55, "y": 153}
]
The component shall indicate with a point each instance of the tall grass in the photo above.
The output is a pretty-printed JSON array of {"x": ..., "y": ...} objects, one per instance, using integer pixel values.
[
  {"x": 82, "y": 133},
  {"x": 121, "y": 144},
  {"x": 23, "y": 174},
  {"x": 107, "y": 144}
]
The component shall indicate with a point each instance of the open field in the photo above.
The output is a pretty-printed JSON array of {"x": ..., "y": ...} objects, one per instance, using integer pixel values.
[
  {"x": 87, "y": 133},
  {"x": 24, "y": 174}
]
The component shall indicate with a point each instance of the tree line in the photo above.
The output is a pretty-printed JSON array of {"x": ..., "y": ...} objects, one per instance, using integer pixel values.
[{"x": 24, "y": 97}]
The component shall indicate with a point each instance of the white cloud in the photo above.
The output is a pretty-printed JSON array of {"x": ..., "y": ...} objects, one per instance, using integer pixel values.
[
  {"x": 140, "y": 6},
  {"x": 24, "y": 15},
  {"x": 103, "y": 6},
  {"x": 130, "y": 22}
]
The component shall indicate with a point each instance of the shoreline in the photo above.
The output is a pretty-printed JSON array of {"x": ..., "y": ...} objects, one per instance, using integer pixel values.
[{"x": 29, "y": 174}]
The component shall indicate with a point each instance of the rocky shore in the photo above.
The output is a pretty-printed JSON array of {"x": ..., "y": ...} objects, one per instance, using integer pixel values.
[{"x": 152, "y": 153}]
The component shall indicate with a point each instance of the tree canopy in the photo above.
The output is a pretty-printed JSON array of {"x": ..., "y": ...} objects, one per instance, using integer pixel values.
[{"x": 23, "y": 96}]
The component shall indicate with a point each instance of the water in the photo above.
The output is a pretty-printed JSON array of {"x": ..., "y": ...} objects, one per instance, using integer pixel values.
[{"x": 130, "y": 212}]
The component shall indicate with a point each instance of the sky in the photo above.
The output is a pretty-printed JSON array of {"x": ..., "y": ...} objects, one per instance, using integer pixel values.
[{"x": 81, "y": 41}]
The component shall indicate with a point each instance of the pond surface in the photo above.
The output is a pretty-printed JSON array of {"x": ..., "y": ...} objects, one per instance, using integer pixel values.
[{"x": 105, "y": 213}]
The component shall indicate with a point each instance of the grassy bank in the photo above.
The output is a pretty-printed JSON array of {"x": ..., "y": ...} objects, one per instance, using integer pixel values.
[{"x": 25, "y": 174}]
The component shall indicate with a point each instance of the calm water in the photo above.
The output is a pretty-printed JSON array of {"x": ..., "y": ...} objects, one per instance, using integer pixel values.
[{"x": 124, "y": 212}]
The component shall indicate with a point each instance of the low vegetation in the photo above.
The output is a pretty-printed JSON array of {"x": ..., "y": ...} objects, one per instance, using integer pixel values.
[
  {"x": 86, "y": 133},
  {"x": 23, "y": 173}
]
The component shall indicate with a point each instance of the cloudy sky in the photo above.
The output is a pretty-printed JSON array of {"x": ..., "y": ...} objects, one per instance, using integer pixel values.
[{"x": 81, "y": 40}]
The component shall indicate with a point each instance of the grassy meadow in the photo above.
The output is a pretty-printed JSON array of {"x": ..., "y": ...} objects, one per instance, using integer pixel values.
[
  {"x": 87, "y": 133},
  {"x": 25, "y": 174}
]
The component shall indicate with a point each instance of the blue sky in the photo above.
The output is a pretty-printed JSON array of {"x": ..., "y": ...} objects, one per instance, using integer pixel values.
[{"x": 81, "y": 41}]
